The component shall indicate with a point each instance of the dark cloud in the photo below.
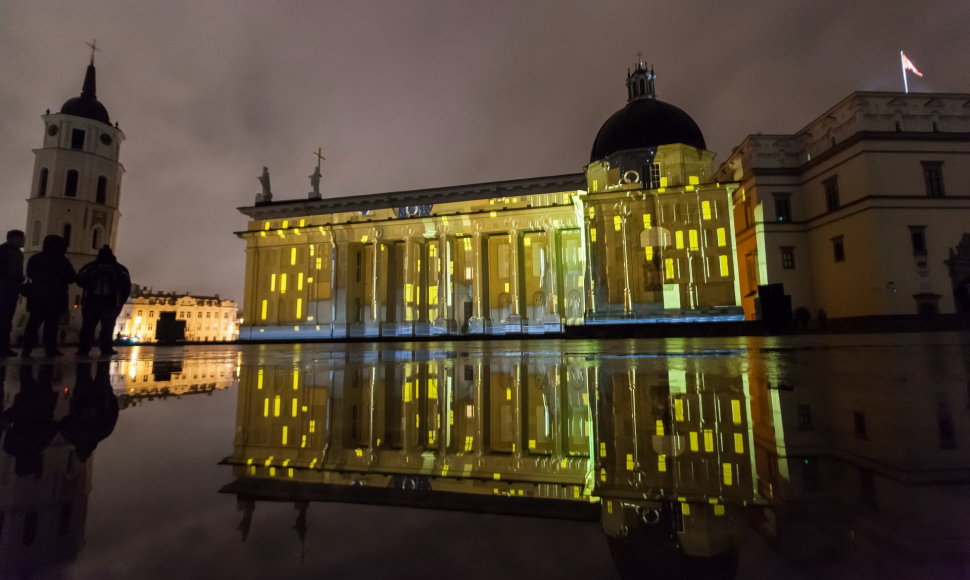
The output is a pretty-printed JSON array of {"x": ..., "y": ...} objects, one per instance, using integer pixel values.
[{"x": 416, "y": 94}]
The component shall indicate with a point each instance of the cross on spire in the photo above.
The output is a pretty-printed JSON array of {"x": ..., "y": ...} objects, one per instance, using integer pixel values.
[
  {"x": 94, "y": 48},
  {"x": 319, "y": 155}
]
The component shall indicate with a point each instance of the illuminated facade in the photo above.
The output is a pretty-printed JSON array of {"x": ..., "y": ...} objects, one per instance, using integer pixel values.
[
  {"x": 863, "y": 211},
  {"x": 207, "y": 318},
  {"x": 76, "y": 187},
  {"x": 623, "y": 443},
  {"x": 645, "y": 234}
]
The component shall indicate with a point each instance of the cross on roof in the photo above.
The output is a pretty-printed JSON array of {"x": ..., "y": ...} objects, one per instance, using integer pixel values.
[
  {"x": 94, "y": 48},
  {"x": 319, "y": 155}
]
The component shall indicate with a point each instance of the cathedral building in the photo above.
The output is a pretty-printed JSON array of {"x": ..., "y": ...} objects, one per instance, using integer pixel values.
[
  {"x": 644, "y": 234},
  {"x": 76, "y": 185}
]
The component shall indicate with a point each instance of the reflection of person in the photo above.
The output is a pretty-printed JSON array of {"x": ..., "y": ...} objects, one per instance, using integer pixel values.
[
  {"x": 11, "y": 278},
  {"x": 30, "y": 421},
  {"x": 50, "y": 273},
  {"x": 106, "y": 285},
  {"x": 93, "y": 410}
]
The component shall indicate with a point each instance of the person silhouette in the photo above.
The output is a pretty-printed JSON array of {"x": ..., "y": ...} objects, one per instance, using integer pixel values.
[
  {"x": 11, "y": 279},
  {"x": 106, "y": 285},
  {"x": 93, "y": 410},
  {"x": 30, "y": 421},
  {"x": 50, "y": 273}
]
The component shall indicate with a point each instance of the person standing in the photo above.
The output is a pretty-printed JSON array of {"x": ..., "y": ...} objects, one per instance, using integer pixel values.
[
  {"x": 106, "y": 285},
  {"x": 50, "y": 273},
  {"x": 11, "y": 280}
]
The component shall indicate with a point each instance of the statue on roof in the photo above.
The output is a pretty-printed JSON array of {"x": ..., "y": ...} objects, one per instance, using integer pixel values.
[{"x": 267, "y": 195}]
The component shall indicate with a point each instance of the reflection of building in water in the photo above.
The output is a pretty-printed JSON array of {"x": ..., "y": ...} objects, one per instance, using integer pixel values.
[
  {"x": 864, "y": 458},
  {"x": 206, "y": 318},
  {"x": 44, "y": 479},
  {"x": 146, "y": 378},
  {"x": 645, "y": 234},
  {"x": 522, "y": 433}
]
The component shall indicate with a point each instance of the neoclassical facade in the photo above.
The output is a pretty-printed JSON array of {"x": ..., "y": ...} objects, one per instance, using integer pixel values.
[
  {"x": 644, "y": 234},
  {"x": 206, "y": 318}
]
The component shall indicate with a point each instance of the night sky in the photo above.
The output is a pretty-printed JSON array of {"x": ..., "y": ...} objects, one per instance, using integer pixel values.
[{"x": 406, "y": 94}]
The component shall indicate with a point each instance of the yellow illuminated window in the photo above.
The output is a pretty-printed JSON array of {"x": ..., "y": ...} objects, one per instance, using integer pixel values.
[
  {"x": 299, "y": 281},
  {"x": 680, "y": 239},
  {"x": 616, "y": 222},
  {"x": 649, "y": 252},
  {"x": 283, "y": 283},
  {"x": 723, "y": 260},
  {"x": 669, "y": 268},
  {"x": 266, "y": 225},
  {"x": 728, "y": 474},
  {"x": 292, "y": 256},
  {"x": 679, "y": 409},
  {"x": 721, "y": 237},
  {"x": 592, "y": 234},
  {"x": 285, "y": 437},
  {"x": 646, "y": 220},
  {"x": 692, "y": 179},
  {"x": 262, "y": 314},
  {"x": 302, "y": 223},
  {"x": 276, "y": 406},
  {"x": 319, "y": 263},
  {"x": 299, "y": 307},
  {"x": 708, "y": 440},
  {"x": 738, "y": 443},
  {"x": 596, "y": 185},
  {"x": 660, "y": 427},
  {"x": 286, "y": 224},
  {"x": 706, "y": 210},
  {"x": 663, "y": 182},
  {"x": 736, "y": 411},
  {"x": 693, "y": 240},
  {"x": 272, "y": 282}
]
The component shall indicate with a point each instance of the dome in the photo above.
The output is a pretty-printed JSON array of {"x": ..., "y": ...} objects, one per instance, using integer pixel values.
[
  {"x": 89, "y": 108},
  {"x": 645, "y": 123},
  {"x": 87, "y": 105}
]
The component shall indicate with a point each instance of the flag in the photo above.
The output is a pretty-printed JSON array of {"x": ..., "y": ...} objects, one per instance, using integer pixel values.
[{"x": 908, "y": 64}]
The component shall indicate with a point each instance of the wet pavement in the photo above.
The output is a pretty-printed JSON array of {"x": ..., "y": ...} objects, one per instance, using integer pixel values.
[{"x": 835, "y": 456}]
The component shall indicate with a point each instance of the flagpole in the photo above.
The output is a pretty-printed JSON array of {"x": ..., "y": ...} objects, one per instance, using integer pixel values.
[{"x": 902, "y": 65}]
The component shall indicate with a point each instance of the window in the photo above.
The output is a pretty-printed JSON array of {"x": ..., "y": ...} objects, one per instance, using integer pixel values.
[
  {"x": 66, "y": 234},
  {"x": 933, "y": 176},
  {"x": 831, "y": 193},
  {"x": 917, "y": 237},
  {"x": 654, "y": 176},
  {"x": 838, "y": 249},
  {"x": 70, "y": 184},
  {"x": 804, "y": 417},
  {"x": 102, "y": 189},
  {"x": 42, "y": 183},
  {"x": 859, "y": 424},
  {"x": 77, "y": 139},
  {"x": 96, "y": 239},
  {"x": 788, "y": 257},
  {"x": 782, "y": 207}
]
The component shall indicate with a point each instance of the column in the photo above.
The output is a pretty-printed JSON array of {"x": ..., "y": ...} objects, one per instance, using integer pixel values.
[
  {"x": 445, "y": 323},
  {"x": 408, "y": 277},
  {"x": 478, "y": 321},
  {"x": 515, "y": 318},
  {"x": 554, "y": 303}
]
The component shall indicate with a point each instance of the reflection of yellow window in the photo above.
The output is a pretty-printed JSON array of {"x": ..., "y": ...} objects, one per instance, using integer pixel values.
[
  {"x": 680, "y": 239},
  {"x": 649, "y": 251},
  {"x": 669, "y": 266},
  {"x": 262, "y": 313},
  {"x": 693, "y": 240},
  {"x": 646, "y": 220},
  {"x": 721, "y": 237},
  {"x": 299, "y": 308},
  {"x": 592, "y": 234},
  {"x": 616, "y": 222},
  {"x": 724, "y": 266},
  {"x": 706, "y": 210}
]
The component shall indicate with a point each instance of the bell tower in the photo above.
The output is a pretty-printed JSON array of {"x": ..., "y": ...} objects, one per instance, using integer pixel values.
[{"x": 76, "y": 186}]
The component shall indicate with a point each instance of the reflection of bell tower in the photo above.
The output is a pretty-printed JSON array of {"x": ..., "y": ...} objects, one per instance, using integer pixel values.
[{"x": 77, "y": 180}]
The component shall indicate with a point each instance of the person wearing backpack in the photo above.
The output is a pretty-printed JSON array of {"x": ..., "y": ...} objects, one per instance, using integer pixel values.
[
  {"x": 106, "y": 285},
  {"x": 50, "y": 274}
]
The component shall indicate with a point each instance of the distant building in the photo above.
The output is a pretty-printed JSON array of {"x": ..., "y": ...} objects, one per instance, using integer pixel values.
[
  {"x": 865, "y": 211},
  {"x": 207, "y": 318},
  {"x": 76, "y": 187},
  {"x": 645, "y": 234}
]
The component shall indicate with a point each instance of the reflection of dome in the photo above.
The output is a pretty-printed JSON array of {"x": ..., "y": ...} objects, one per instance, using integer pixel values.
[
  {"x": 645, "y": 122},
  {"x": 87, "y": 105}
]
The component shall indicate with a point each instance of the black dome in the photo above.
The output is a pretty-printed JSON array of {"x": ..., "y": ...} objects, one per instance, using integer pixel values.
[
  {"x": 87, "y": 105},
  {"x": 645, "y": 123},
  {"x": 89, "y": 108}
]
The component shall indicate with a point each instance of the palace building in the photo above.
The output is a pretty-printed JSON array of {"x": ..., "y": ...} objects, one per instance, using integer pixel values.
[
  {"x": 205, "y": 318},
  {"x": 644, "y": 234},
  {"x": 864, "y": 212}
]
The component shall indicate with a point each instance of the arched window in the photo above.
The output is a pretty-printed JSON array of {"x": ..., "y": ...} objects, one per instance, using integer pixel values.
[
  {"x": 35, "y": 234},
  {"x": 96, "y": 239},
  {"x": 102, "y": 188},
  {"x": 67, "y": 235},
  {"x": 70, "y": 186},
  {"x": 42, "y": 183}
]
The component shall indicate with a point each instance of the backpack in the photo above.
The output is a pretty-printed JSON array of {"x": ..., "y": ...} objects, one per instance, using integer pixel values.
[{"x": 103, "y": 281}]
